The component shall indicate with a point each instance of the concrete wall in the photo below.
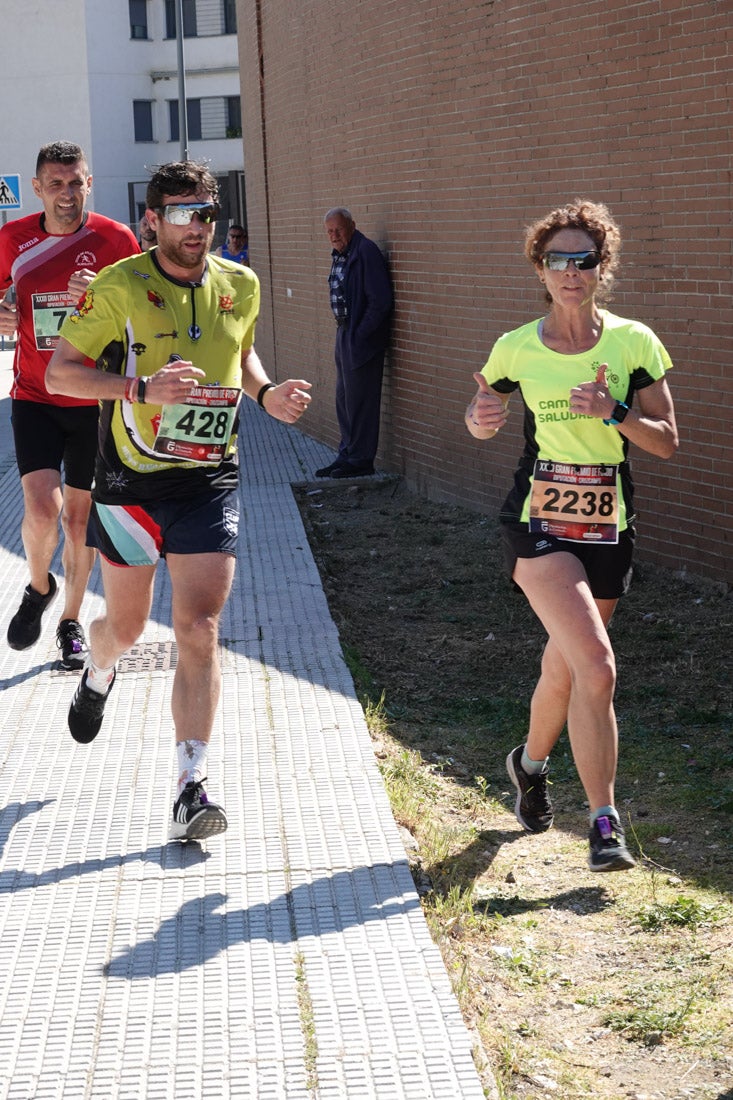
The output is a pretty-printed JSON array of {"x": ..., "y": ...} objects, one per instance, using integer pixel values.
[{"x": 446, "y": 127}]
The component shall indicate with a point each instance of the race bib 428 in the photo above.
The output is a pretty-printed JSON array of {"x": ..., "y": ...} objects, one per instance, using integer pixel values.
[{"x": 200, "y": 429}]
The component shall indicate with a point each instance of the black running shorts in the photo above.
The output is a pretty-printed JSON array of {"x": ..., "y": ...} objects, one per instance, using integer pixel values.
[
  {"x": 608, "y": 567},
  {"x": 48, "y": 437}
]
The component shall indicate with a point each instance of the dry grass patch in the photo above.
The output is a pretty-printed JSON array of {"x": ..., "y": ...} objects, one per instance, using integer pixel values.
[{"x": 578, "y": 985}]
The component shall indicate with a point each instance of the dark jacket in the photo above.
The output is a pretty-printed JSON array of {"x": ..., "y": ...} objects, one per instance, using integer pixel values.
[{"x": 367, "y": 289}]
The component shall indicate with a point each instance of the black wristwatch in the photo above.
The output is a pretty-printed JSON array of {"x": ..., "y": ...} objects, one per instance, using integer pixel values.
[{"x": 619, "y": 413}]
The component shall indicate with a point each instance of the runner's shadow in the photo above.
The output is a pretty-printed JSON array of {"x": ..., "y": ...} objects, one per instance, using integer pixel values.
[
  {"x": 197, "y": 933},
  {"x": 169, "y": 857},
  {"x": 583, "y": 900},
  {"x": 475, "y": 859},
  {"x": 28, "y": 674},
  {"x": 14, "y": 812}
]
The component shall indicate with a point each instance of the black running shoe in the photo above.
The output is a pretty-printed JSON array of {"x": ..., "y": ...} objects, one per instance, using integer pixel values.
[
  {"x": 72, "y": 643},
  {"x": 24, "y": 628},
  {"x": 608, "y": 851},
  {"x": 194, "y": 817},
  {"x": 532, "y": 808},
  {"x": 87, "y": 711}
]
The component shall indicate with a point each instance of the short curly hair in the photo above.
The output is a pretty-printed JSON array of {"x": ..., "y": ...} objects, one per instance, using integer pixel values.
[
  {"x": 60, "y": 152},
  {"x": 595, "y": 220},
  {"x": 180, "y": 177}
]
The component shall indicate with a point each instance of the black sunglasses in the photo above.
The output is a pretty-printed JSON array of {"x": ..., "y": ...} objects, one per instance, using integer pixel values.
[{"x": 584, "y": 261}]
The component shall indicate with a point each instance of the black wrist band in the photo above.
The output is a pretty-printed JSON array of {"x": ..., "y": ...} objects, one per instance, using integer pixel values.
[
  {"x": 267, "y": 386},
  {"x": 618, "y": 415},
  {"x": 141, "y": 384}
]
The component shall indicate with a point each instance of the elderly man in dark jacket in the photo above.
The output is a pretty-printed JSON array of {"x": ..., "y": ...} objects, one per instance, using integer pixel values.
[{"x": 361, "y": 300}]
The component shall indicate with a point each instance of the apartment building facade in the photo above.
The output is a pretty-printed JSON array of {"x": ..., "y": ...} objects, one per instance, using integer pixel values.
[{"x": 105, "y": 73}]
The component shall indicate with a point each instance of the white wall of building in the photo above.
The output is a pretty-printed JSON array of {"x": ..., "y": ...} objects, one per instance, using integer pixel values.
[
  {"x": 71, "y": 71},
  {"x": 43, "y": 87}
]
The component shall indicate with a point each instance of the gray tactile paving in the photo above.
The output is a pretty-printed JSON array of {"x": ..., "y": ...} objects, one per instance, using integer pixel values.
[{"x": 288, "y": 958}]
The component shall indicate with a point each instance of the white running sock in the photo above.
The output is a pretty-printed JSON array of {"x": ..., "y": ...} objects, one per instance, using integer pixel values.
[
  {"x": 191, "y": 762},
  {"x": 99, "y": 679}
]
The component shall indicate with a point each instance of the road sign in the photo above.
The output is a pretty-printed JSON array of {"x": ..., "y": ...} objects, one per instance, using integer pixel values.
[{"x": 9, "y": 192}]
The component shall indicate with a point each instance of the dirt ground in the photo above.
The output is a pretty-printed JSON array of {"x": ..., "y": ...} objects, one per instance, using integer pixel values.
[{"x": 568, "y": 989}]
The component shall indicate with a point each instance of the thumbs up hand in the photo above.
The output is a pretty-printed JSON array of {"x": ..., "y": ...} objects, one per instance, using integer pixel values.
[
  {"x": 487, "y": 411},
  {"x": 593, "y": 398}
]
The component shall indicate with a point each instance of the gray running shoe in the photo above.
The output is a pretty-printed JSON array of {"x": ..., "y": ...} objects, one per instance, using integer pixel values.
[
  {"x": 608, "y": 851},
  {"x": 72, "y": 643}
]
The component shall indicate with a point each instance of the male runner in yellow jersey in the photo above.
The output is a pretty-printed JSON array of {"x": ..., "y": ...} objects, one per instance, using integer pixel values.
[{"x": 172, "y": 333}]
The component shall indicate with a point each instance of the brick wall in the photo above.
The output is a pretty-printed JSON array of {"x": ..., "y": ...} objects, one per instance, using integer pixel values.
[{"x": 447, "y": 127}]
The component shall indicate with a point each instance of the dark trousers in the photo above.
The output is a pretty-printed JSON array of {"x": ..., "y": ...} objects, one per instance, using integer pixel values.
[{"x": 358, "y": 399}]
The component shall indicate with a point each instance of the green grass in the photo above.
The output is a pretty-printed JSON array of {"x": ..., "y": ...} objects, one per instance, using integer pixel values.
[
  {"x": 682, "y": 912},
  {"x": 653, "y": 1016}
]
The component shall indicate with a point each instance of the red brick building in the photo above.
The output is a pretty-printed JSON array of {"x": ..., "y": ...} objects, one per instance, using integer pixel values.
[{"x": 447, "y": 127}]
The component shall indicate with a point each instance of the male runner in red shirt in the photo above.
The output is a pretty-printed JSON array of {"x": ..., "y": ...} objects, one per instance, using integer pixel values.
[{"x": 49, "y": 258}]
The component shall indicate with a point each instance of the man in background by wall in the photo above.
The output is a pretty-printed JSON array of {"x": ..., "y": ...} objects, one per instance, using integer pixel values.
[
  {"x": 236, "y": 245},
  {"x": 362, "y": 301},
  {"x": 50, "y": 257},
  {"x": 146, "y": 235}
]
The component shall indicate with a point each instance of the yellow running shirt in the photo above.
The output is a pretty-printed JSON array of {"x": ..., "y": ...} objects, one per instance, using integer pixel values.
[
  {"x": 519, "y": 360},
  {"x": 133, "y": 320}
]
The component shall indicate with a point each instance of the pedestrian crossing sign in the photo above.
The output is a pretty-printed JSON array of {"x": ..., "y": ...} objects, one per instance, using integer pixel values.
[{"x": 9, "y": 192}]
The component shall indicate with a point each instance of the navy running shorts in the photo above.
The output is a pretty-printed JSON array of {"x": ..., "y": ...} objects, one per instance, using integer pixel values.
[{"x": 136, "y": 534}]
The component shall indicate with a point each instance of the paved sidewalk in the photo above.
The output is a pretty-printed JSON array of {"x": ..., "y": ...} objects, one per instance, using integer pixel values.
[{"x": 288, "y": 958}]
